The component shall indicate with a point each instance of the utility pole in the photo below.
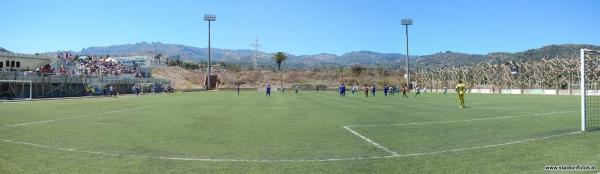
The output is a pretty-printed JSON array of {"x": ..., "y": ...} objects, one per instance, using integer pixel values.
[{"x": 256, "y": 45}]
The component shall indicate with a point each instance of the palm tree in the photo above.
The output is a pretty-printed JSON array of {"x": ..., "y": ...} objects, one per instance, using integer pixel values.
[
  {"x": 157, "y": 57},
  {"x": 279, "y": 58}
]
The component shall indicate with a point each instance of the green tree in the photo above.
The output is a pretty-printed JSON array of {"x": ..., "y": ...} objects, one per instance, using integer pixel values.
[
  {"x": 279, "y": 57},
  {"x": 158, "y": 57}
]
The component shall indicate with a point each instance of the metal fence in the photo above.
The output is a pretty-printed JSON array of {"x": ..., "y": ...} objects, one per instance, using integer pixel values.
[{"x": 53, "y": 85}]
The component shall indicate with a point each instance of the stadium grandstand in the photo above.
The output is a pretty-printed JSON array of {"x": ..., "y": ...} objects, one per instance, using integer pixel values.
[{"x": 65, "y": 74}]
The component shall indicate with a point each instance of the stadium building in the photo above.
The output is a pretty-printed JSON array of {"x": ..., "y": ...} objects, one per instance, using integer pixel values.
[{"x": 22, "y": 62}]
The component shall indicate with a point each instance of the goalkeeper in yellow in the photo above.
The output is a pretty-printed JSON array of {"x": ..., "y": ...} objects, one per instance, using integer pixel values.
[{"x": 460, "y": 90}]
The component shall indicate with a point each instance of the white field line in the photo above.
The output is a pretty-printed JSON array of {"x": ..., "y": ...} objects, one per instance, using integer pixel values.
[
  {"x": 456, "y": 121},
  {"x": 493, "y": 145},
  {"x": 371, "y": 141},
  {"x": 70, "y": 98},
  {"x": 51, "y": 99},
  {"x": 393, "y": 154},
  {"x": 75, "y": 117},
  {"x": 283, "y": 160}
]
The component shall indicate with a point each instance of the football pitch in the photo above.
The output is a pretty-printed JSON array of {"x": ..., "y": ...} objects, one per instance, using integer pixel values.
[{"x": 309, "y": 132}]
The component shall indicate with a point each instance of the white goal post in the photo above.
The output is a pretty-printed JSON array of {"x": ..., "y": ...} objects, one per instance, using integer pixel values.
[
  {"x": 17, "y": 86},
  {"x": 589, "y": 83}
]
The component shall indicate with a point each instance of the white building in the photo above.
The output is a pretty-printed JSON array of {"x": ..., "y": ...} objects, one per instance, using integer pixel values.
[{"x": 19, "y": 62}]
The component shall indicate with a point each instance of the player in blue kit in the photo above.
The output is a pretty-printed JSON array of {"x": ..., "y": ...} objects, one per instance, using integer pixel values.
[
  {"x": 385, "y": 90},
  {"x": 373, "y": 90},
  {"x": 268, "y": 91}
]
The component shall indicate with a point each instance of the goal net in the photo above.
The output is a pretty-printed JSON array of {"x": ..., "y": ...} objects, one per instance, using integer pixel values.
[
  {"x": 16, "y": 90},
  {"x": 590, "y": 89}
]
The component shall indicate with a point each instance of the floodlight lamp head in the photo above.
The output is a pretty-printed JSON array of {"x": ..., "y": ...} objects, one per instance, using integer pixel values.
[
  {"x": 210, "y": 17},
  {"x": 407, "y": 21}
]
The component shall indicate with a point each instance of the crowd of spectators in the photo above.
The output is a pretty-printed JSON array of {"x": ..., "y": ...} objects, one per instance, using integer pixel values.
[{"x": 91, "y": 65}]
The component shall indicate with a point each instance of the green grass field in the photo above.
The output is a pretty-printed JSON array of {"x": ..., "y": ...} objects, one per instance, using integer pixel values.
[{"x": 310, "y": 132}]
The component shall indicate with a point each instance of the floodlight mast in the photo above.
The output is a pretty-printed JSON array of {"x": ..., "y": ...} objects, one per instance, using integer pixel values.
[
  {"x": 209, "y": 18},
  {"x": 406, "y": 23}
]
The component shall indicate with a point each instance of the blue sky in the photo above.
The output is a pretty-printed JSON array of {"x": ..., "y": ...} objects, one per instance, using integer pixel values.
[{"x": 301, "y": 26}]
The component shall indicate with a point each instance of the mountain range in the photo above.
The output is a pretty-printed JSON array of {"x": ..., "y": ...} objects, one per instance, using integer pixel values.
[{"x": 363, "y": 58}]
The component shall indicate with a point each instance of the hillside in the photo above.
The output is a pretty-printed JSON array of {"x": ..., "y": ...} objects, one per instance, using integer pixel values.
[
  {"x": 169, "y": 50},
  {"x": 243, "y": 57},
  {"x": 550, "y": 51},
  {"x": 365, "y": 58},
  {"x": 180, "y": 78}
]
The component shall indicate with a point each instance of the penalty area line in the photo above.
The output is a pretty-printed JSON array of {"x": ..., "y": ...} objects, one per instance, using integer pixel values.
[
  {"x": 379, "y": 146},
  {"x": 191, "y": 159},
  {"x": 456, "y": 121},
  {"x": 75, "y": 117},
  {"x": 493, "y": 145}
]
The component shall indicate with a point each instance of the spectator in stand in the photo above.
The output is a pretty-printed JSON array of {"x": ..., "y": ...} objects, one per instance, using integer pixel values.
[
  {"x": 91, "y": 65},
  {"x": 62, "y": 70}
]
